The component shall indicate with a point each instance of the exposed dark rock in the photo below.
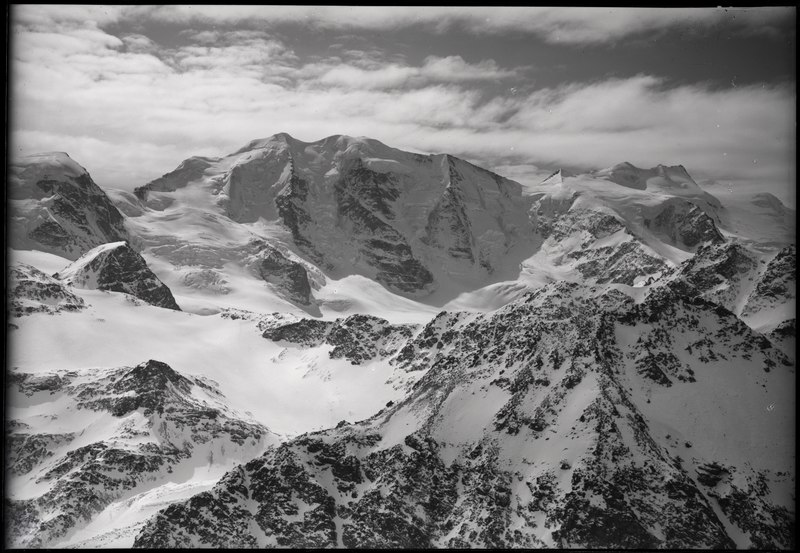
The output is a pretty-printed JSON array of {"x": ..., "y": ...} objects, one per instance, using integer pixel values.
[
  {"x": 118, "y": 268},
  {"x": 623, "y": 262},
  {"x": 777, "y": 283},
  {"x": 289, "y": 277},
  {"x": 291, "y": 208},
  {"x": 448, "y": 225},
  {"x": 710, "y": 474},
  {"x": 32, "y": 291},
  {"x": 686, "y": 225},
  {"x": 357, "y": 338},
  {"x": 362, "y": 198}
]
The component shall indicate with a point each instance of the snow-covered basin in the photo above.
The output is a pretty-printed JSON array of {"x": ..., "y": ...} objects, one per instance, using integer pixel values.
[{"x": 289, "y": 389}]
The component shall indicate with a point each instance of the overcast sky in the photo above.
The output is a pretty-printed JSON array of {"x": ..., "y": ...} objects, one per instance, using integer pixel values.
[{"x": 129, "y": 92}]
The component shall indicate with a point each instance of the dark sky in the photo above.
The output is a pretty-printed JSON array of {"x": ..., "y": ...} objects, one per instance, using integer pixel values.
[{"x": 724, "y": 54}]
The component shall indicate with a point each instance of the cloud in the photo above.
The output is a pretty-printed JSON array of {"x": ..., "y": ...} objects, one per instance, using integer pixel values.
[
  {"x": 455, "y": 69},
  {"x": 524, "y": 173},
  {"x": 566, "y": 25},
  {"x": 578, "y": 25},
  {"x": 450, "y": 69},
  {"x": 130, "y": 110},
  {"x": 139, "y": 43}
]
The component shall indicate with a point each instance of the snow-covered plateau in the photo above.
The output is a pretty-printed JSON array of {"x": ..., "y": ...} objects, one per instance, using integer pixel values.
[{"x": 342, "y": 344}]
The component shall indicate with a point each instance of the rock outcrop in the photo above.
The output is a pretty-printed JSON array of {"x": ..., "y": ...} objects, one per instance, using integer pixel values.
[
  {"x": 32, "y": 291},
  {"x": 357, "y": 338},
  {"x": 116, "y": 267},
  {"x": 684, "y": 224},
  {"x": 290, "y": 278},
  {"x": 776, "y": 285}
]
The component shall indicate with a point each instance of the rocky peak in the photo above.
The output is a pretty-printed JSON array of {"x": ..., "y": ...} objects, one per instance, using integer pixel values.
[
  {"x": 151, "y": 376},
  {"x": 675, "y": 172},
  {"x": 116, "y": 267}
]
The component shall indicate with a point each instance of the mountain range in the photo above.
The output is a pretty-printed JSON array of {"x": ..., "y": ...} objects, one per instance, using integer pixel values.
[{"x": 342, "y": 344}]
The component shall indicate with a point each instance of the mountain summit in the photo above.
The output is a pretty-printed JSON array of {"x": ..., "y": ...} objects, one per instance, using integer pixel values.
[{"x": 408, "y": 221}]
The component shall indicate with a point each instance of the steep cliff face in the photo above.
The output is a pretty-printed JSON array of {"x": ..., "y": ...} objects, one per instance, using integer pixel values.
[
  {"x": 570, "y": 418},
  {"x": 55, "y": 206},
  {"x": 118, "y": 433},
  {"x": 116, "y": 267}
]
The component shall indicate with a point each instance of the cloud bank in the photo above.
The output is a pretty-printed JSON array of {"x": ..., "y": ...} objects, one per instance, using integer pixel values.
[
  {"x": 559, "y": 25},
  {"x": 130, "y": 109}
]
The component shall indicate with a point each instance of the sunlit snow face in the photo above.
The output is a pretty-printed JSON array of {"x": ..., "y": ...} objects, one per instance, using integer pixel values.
[{"x": 520, "y": 90}]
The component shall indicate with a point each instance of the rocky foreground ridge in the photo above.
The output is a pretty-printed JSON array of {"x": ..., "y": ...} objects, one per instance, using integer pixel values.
[{"x": 571, "y": 418}]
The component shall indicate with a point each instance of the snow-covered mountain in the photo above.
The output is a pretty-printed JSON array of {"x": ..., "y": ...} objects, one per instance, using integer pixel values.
[
  {"x": 412, "y": 223},
  {"x": 56, "y": 207},
  {"x": 369, "y": 347}
]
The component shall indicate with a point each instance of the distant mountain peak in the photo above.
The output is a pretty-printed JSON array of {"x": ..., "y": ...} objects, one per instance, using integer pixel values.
[
  {"x": 334, "y": 142},
  {"x": 554, "y": 178},
  {"x": 59, "y": 208},
  {"x": 48, "y": 165}
]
